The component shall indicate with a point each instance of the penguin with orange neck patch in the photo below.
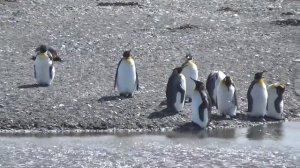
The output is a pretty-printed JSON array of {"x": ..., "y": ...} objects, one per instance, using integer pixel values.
[
  {"x": 44, "y": 70},
  {"x": 275, "y": 101},
  {"x": 126, "y": 78},
  {"x": 257, "y": 96},
  {"x": 189, "y": 70},
  {"x": 226, "y": 98}
]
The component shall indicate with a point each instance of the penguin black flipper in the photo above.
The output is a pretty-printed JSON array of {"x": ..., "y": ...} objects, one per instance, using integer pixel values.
[
  {"x": 50, "y": 71},
  {"x": 54, "y": 54},
  {"x": 210, "y": 86},
  {"x": 203, "y": 105},
  {"x": 34, "y": 71},
  {"x": 201, "y": 111},
  {"x": 277, "y": 102},
  {"x": 182, "y": 93},
  {"x": 235, "y": 100},
  {"x": 249, "y": 97},
  {"x": 116, "y": 76},
  {"x": 137, "y": 81}
]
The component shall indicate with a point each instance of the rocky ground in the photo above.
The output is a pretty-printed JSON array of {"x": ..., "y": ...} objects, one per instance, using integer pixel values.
[{"x": 238, "y": 37}]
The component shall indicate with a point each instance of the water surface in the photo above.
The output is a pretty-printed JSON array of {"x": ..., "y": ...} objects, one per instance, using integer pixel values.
[{"x": 262, "y": 146}]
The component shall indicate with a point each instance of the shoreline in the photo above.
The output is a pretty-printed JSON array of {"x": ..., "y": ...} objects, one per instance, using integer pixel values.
[{"x": 114, "y": 131}]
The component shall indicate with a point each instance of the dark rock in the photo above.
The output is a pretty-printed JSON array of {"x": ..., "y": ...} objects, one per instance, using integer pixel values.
[
  {"x": 118, "y": 4},
  {"x": 287, "y": 22},
  {"x": 228, "y": 9},
  {"x": 183, "y": 27},
  {"x": 287, "y": 13}
]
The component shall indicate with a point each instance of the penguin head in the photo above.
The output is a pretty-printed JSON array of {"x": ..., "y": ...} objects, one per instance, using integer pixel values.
[
  {"x": 189, "y": 57},
  {"x": 280, "y": 88},
  {"x": 259, "y": 75},
  {"x": 199, "y": 85},
  {"x": 42, "y": 48},
  {"x": 126, "y": 54},
  {"x": 227, "y": 81},
  {"x": 177, "y": 70}
]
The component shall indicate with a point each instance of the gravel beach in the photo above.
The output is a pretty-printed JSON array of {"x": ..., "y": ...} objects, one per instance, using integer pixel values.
[{"x": 238, "y": 37}]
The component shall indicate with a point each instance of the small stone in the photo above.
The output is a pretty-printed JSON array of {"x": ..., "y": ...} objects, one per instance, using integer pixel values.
[
  {"x": 297, "y": 60},
  {"x": 1, "y": 106},
  {"x": 61, "y": 105}
]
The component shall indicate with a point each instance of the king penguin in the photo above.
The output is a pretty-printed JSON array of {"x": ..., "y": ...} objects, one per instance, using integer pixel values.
[
  {"x": 275, "y": 101},
  {"x": 212, "y": 84},
  {"x": 176, "y": 89},
  {"x": 257, "y": 96},
  {"x": 201, "y": 105},
  {"x": 44, "y": 70},
  {"x": 189, "y": 70},
  {"x": 126, "y": 78},
  {"x": 226, "y": 97}
]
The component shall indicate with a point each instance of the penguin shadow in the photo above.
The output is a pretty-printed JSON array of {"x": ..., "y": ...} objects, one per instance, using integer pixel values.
[
  {"x": 109, "y": 98},
  {"x": 28, "y": 86},
  {"x": 161, "y": 114}
]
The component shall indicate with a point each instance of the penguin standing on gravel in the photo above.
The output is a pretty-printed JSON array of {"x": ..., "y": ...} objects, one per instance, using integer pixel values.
[
  {"x": 176, "y": 89},
  {"x": 257, "y": 96},
  {"x": 212, "y": 84},
  {"x": 44, "y": 70},
  {"x": 201, "y": 105},
  {"x": 126, "y": 78},
  {"x": 275, "y": 101},
  {"x": 226, "y": 97},
  {"x": 189, "y": 71}
]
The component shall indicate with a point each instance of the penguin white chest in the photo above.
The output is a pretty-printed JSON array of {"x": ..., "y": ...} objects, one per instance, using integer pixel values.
[
  {"x": 126, "y": 79},
  {"x": 271, "y": 110},
  {"x": 196, "y": 103},
  {"x": 190, "y": 72},
  {"x": 221, "y": 76},
  {"x": 259, "y": 96},
  {"x": 226, "y": 100},
  {"x": 44, "y": 71}
]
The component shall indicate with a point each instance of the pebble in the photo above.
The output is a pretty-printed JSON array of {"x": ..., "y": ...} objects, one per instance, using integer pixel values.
[
  {"x": 1, "y": 106},
  {"x": 297, "y": 60}
]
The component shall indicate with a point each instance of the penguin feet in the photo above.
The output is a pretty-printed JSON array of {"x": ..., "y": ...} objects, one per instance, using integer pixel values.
[
  {"x": 126, "y": 95},
  {"x": 44, "y": 85}
]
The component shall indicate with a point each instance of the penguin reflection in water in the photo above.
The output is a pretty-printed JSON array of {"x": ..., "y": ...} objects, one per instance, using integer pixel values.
[
  {"x": 226, "y": 97},
  {"x": 126, "y": 79},
  {"x": 257, "y": 96},
  {"x": 275, "y": 101},
  {"x": 201, "y": 105},
  {"x": 44, "y": 70},
  {"x": 189, "y": 71},
  {"x": 176, "y": 89}
]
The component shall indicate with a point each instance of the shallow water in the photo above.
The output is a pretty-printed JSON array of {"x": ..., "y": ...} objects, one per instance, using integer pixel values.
[{"x": 261, "y": 146}]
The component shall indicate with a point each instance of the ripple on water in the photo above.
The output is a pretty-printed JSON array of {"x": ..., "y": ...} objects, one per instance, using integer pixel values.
[{"x": 155, "y": 150}]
